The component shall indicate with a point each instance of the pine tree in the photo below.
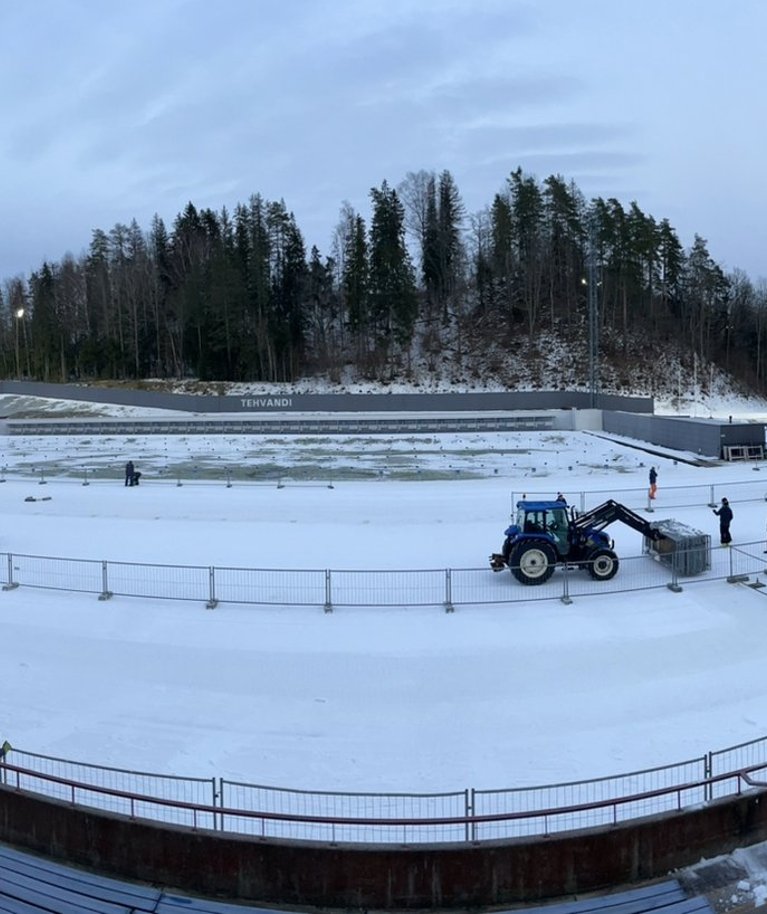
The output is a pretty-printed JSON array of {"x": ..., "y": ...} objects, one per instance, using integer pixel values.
[
  {"x": 356, "y": 284},
  {"x": 393, "y": 296},
  {"x": 527, "y": 210}
]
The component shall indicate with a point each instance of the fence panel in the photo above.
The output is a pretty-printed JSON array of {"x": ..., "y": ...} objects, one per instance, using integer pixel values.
[
  {"x": 270, "y": 586},
  {"x": 744, "y": 755},
  {"x": 200, "y": 791},
  {"x": 747, "y": 560},
  {"x": 482, "y": 585},
  {"x": 336, "y": 805},
  {"x": 166, "y": 582},
  {"x": 388, "y": 588},
  {"x": 581, "y": 793},
  {"x": 636, "y": 572},
  {"x": 51, "y": 573}
]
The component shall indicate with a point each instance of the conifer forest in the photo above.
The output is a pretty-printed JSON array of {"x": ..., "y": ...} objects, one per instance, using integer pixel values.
[{"x": 236, "y": 296}]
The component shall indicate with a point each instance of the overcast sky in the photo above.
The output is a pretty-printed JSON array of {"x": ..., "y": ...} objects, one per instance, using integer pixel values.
[{"x": 115, "y": 111}]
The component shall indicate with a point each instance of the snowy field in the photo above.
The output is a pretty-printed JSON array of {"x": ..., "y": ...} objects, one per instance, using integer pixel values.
[{"x": 367, "y": 699}]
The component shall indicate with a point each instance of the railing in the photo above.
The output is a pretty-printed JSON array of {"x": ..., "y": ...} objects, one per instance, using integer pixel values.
[
  {"x": 328, "y": 589},
  {"x": 667, "y": 497},
  {"x": 382, "y": 818}
]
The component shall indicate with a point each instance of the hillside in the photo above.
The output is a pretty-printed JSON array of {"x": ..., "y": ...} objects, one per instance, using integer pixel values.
[{"x": 679, "y": 383}]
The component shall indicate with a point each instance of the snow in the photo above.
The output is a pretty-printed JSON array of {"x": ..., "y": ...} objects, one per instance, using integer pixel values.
[{"x": 399, "y": 699}]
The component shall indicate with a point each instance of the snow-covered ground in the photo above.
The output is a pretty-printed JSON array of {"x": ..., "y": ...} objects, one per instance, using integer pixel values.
[{"x": 368, "y": 699}]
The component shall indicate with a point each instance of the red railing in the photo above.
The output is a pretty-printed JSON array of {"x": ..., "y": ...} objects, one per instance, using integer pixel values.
[{"x": 14, "y": 775}]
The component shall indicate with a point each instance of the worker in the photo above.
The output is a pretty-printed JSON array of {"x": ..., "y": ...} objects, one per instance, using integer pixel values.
[
  {"x": 653, "y": 482},
  {"x": 725, "y": 519}
]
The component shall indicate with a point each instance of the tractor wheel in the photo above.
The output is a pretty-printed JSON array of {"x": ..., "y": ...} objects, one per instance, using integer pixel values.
[
  {"x": 533, "y": 563},
  {"x": 603, "y": 564}
]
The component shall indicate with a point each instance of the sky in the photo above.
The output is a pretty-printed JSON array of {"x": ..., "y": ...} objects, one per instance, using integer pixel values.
[{"x": 113, "y": 112}]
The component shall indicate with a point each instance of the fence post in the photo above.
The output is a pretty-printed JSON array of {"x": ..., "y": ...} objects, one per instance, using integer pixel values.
[
  {"x": 674, "y": 584},
  {"x": 708, "y": 763},
  {"x": 328, "y": 599},
  {"x": 11, "y": 585},
  {"x": 711, "y": 502},
  {"x": 212, "y": 601},
  {"x": 229, "y": 477},
  {"x": 85, "y": 477},
  {"x": 468, "y": 805},
  {"x": 565, "y": 598},
  {"x": 42, "y": 477},
  {"x": 449, "y": 608},
  {"x": 105, "y": 591},
  {"x": 214, "y": 797},
  {"x": 221, "y": 803}
]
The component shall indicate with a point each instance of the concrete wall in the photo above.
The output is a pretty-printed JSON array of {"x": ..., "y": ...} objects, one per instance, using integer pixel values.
[
  {"x": 681, "y": 433},
  {"x": 338, "y": 403},
  {"x": 319, "y": 424},
  {"x": 372, "y": 876}
]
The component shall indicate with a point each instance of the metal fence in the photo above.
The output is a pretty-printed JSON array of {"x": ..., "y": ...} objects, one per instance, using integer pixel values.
[
  {"x": 668, "y": 496},
  {"x": 399, "y": 818},
  {"x": 115, "y": 790},
  {"x": 329, "y": 589}
]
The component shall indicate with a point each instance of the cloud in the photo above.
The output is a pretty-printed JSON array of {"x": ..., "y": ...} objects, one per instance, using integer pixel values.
[{"x": 115, "y": 110}]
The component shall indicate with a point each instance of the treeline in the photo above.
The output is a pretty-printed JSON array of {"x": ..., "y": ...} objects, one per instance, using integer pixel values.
[{"x": 236, "y": 296}]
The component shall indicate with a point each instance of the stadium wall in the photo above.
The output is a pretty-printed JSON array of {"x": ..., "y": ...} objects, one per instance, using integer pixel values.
[
  {"x": 337, "y": 403},
  {"x": 376, "y": 876}
]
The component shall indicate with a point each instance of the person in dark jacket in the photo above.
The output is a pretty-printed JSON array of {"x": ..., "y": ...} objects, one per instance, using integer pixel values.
[
  {"x": 129, "y": 473},
  {"x": 725, "y": 519},
  {"x": 653, "y": 482}
]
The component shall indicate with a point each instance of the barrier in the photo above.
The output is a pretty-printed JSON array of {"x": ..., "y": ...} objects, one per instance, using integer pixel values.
[
  {"x": 329, "y": 588},
  {"x": 467, "y": 814}
]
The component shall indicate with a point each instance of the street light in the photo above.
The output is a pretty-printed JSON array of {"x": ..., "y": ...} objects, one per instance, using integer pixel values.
[
  {"x": 592, "y": 284},
  {"x": 19, "y": 315}
]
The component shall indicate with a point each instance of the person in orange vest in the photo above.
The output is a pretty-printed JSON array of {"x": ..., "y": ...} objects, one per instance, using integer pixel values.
[{"x": 653, "y": 482}]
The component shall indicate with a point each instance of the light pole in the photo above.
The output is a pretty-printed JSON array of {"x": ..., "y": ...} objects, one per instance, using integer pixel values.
[
  {"x": 19, "y": 315},
  {"x": 592, "y": 284},
  {"x": 593, "y": 321}
]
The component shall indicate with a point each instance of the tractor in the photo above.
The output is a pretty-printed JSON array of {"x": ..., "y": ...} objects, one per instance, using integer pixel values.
[{"x": 550, "y": 533}]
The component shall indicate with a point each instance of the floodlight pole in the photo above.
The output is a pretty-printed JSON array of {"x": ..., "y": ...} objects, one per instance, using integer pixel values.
[
  {"x": 593, "y": 306},
  {"x": 19, "y": 316}
]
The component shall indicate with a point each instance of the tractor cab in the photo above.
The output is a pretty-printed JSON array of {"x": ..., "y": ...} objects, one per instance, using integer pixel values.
[{"x": 546, "y": 518}]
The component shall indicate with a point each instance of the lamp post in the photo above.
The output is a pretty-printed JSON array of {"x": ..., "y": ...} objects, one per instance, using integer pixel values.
[
  {"x": 592, "y": 284},
  {"x": 19, "y": 315},
  {"x": 593, "y": 308}
]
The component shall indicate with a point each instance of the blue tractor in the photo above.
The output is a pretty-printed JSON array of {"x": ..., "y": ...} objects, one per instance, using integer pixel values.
[{"x": 550, "y": 533}]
